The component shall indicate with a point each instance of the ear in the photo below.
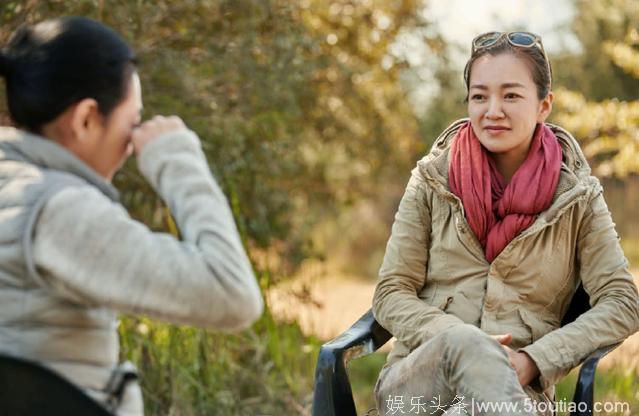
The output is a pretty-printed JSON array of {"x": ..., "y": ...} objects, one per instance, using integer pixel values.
[
  {"x": 86, "y": 120},
  {"x": 545, "y": 107}
]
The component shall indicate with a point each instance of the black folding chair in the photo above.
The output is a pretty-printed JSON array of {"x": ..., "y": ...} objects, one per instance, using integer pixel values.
[
  {"x": 333, "y": 395},
  {"x": 29, "y": 389}
]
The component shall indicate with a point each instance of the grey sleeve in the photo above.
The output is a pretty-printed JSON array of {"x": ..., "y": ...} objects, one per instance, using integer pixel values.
[{"x": 88, "y": 248}]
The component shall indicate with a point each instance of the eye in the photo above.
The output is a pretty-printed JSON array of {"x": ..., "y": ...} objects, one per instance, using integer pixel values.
[
  {"x": 512, "y": 96},
  {"x": 477, "y": 97}
]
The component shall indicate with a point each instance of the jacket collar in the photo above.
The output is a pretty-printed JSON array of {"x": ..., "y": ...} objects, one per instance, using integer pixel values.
[
  {"x": 574, "y": 178},
  {"x": 17, "y": 145}
]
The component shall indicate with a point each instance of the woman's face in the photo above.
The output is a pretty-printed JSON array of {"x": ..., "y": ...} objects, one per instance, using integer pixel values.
[
  {"x": 114, "y": 146},
  {"x": 503, "y": 106}
]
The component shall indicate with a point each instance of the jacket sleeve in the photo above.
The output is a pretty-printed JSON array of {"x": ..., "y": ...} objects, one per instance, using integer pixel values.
[
  {"x": 614, "y": 313},
  {"x": 90, "y": 251},
  {"x": 403, "y": 274}
]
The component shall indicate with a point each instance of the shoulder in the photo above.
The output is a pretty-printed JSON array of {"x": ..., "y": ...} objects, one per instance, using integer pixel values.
[
  {"x": 75, "y": 202},
  {"x": 432, "y": 169},
  {"x": 573, "y": 156},
  {"x": 442, "y": 144},
  {"x": 575, "y": 164},
  {"x": 26, "y": 184}
]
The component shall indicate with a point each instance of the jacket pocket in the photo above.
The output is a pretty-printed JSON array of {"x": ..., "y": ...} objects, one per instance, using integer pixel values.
[
  {"x": 537, "y": 326},
  {"x": 445, "y": 302}
]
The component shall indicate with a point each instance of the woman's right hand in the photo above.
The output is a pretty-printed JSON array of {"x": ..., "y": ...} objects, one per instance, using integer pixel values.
[{"x": 152, "y": 129}]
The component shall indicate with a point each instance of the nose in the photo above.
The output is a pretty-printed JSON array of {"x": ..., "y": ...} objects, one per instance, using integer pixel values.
[{"x": 495, "y": 110}]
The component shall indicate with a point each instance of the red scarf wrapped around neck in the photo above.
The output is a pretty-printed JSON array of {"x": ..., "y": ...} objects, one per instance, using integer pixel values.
[{"x": 497, "y": 212}]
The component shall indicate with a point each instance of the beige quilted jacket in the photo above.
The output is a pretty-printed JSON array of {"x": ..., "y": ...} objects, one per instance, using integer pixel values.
[{"x": 435, "y": 275}]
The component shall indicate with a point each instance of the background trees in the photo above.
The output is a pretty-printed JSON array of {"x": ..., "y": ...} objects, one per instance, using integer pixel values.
[
  {"x": 304, "y": 112},
  {"x": 599, "y": 98}
]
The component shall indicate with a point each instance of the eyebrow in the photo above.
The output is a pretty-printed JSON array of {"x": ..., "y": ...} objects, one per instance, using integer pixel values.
[{"x": 503, "y": 86}]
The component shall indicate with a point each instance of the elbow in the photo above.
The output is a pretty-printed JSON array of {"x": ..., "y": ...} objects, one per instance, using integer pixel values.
[
  {"x": 632, "y": 306},
  {"x": 378, "y": 304},
  {"x": 243, "y": 309},
  {"x": 254, "y": 307},
  {"x": 636, "y": 315}
]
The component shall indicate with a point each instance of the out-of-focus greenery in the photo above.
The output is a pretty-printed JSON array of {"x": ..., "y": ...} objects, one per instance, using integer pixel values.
[
  {"x": 600, "y": 105},
  {"x": 300, "y": 114},
  {"x": 304, "y": 121},
  {"x": 297, "y": 103}
]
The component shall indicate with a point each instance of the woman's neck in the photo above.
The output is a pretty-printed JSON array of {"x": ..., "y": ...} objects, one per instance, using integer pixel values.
[{"x": 508, "y": 163}]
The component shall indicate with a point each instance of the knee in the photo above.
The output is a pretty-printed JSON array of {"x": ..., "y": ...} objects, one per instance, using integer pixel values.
[
  {"x": 468, "y": 339},
  {"x": 465, "y": 334}
]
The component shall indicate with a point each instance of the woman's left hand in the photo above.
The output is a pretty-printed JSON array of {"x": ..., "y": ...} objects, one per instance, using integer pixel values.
[
  {"x": 524, "y": 366},
  {"x": 521, "y": 362}
]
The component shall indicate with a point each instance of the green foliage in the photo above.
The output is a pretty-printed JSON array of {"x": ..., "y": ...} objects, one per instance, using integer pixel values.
[
  {"x": 188, "y": 371},
  {"x": 363, "y": 373},
  {"x": 602, "y": 110},
  {"x": 592, "y": 72},
  {"x": 298, "y": 118},
  {"x": 615, "y": 385},
  {"x": 294, "y": 125},
  {"x": 608, "y": 131}
]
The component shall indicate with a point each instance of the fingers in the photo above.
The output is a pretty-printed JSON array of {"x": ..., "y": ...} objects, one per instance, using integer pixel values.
[
  {"x": 503, "y": 339},
  {"x": 522, "y": 368},
  {"x": 154, "y": 128}
]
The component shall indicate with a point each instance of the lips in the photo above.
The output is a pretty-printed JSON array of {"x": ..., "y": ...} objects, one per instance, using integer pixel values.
[{"x": 496, "y": 128}]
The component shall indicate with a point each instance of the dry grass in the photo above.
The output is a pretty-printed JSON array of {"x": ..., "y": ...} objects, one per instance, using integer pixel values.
[{"x": 336, "y": 303}]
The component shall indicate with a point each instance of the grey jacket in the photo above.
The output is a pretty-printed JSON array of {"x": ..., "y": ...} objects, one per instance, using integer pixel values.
[{"x": 71, "y": 257}]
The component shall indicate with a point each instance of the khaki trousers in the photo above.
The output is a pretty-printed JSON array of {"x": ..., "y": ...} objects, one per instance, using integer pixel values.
[{"x": 462, "y": 371}]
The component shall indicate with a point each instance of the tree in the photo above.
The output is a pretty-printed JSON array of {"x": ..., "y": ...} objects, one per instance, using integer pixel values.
[
  {"x": 604, "y": 112},
  {"x": 300, "y": 113}
]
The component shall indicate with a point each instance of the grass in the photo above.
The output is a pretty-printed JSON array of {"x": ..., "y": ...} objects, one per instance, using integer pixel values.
[
  {"x": 613, "y": 385},
  {"x": 186, "y": 371}
]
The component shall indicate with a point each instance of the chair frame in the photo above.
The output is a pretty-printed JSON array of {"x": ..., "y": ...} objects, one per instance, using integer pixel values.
[{"x": 333, "y": 395}]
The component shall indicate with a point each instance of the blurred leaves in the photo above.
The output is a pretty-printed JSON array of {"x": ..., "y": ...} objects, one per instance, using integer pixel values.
[
  {"x": 607, "y": 126},
  {"x": 297, "y": 104},
  {"x": 608, "y": 130},
  {"x": 301, "y": 114}
]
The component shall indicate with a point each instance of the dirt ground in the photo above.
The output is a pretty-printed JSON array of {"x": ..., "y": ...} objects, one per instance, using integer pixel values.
[{"x": 339, "y": 301}]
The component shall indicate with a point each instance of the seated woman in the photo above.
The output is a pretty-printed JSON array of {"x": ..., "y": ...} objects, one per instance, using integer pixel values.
[
  {"x": 498, "y": 226},
  {"x": 70, "y": 255}
]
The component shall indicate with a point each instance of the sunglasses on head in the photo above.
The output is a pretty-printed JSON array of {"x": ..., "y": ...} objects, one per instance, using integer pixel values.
[
  {"x": 519, "y": 39},
  {"x": 516, "y": 39}
]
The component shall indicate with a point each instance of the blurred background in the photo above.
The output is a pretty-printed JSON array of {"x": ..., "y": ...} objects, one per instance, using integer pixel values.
[{"x": 312, "y": 114}]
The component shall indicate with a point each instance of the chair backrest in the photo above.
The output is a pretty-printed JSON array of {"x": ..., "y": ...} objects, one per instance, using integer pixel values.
[
  {"x": 579, "y": 304},
  {"x": 29, "y": 389}
]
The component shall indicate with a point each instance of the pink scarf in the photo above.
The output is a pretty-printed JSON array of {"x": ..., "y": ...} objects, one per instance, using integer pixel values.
[{"x": 497, "y": 212}]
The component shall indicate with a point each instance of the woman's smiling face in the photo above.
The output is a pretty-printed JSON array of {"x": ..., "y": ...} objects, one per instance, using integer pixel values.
[{"x": 503, "y": 104}]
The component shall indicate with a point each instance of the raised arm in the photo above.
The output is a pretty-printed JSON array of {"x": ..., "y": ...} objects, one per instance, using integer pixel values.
[{"x": 88, "y": 248}]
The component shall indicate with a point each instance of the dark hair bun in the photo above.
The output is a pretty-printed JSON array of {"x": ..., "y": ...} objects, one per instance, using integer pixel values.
[{"x": 51, "y": 65}]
